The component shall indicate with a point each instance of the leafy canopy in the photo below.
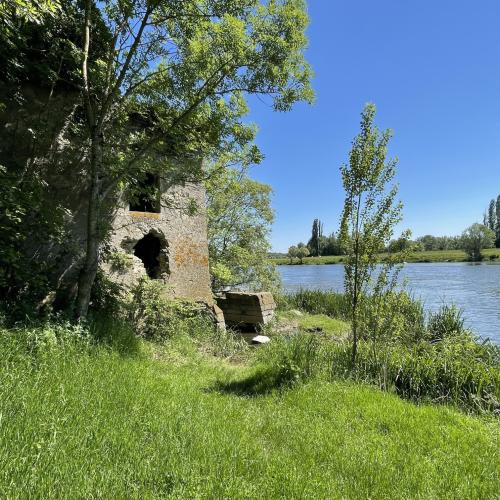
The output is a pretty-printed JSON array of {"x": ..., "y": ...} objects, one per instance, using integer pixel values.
[
  {"x": 475, "y": 238},
  {"x": 239, "y": 219}
]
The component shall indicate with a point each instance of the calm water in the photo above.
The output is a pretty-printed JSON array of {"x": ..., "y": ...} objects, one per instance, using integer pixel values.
[{"x": 475, "y": 288}]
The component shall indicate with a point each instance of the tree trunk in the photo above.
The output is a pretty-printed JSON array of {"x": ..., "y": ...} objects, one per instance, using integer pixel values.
[
  {"x": 354, "y": 332},
  {"x": 89, "y": 269}
]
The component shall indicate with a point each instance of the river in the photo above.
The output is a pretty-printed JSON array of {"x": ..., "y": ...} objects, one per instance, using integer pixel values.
[{"x": 475, "y": 288}]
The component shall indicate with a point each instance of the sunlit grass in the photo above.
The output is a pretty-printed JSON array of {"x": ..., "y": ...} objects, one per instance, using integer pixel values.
[
  {"x": 324, "y": 324},
  {"x": 97, "y": 422}
]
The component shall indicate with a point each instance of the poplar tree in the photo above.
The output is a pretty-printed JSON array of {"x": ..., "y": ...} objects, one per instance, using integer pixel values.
[
  {"x": 313, "y": 242},
  {"x": 497, "y": 242},
  {"x": 368, "y": 218},
  {"x": 492, "y": 216}
]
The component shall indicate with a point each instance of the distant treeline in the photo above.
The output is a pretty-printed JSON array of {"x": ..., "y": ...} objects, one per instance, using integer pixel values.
[{"x": 321, "y": 245}]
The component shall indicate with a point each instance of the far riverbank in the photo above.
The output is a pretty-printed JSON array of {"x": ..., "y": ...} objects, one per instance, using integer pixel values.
[{"x": 490, "y": 254}]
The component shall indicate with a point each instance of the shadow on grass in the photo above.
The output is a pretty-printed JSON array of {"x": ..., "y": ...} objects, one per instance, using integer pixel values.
[
  {"x": 261, "y": 382},
  {"x": 116, "y": 334}
]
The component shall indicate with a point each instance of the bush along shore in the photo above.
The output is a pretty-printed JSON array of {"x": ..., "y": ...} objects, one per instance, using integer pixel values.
[
  {"x": 151, "y": 400},
  {"x": 426, "y": 358},
  {"x": 489, "y": 255}
]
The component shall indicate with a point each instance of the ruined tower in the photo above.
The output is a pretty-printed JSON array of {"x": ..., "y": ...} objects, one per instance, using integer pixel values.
[{"x": 165, "y": 239}]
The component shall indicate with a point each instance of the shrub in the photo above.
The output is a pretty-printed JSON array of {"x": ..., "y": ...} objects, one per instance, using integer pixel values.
[
  {"x": 107, "y": 295},
  {"x": 445, "y": 323},
  {"x": 157, "y": 317},
  {"x": 291, "y": 359},
  {"x": 392, "y": 317},
  {"x": 316, "y": 302}
]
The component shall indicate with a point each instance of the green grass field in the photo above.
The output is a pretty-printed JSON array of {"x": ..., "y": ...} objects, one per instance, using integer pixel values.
[
  {"x": 155, "y": 423},
  {"x": 431, "y": 256}
]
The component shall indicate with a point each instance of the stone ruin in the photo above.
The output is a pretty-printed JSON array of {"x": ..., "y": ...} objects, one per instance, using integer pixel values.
[
  {"x": 160, "y": 236},
  {"x": 163, "y": 241},
  {"x": 247, "y": 311},
  {"x": 163, "y": 238}
]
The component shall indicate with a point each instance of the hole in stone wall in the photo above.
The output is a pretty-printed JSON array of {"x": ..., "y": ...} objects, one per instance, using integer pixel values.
[
  {"x": 147, "y": 198},
  {"x": 151, "y": 250}
]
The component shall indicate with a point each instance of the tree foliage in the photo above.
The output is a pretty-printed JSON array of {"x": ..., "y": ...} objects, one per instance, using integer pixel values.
[
  {"x": 369, "y": 216},
  {"x": 491, "y": 218},
  {"x": 497, "y": 229},
  {"x": 302, "y": 251},
  {"x": 492, "y": 215},
  {"x": 292, "y": 253},
  {"x": 239, "y": 219},
  {"x": 160, "y": 84},
  {"x": 429, "y": 242},
  {"x": 475, "y": 238},
  {"x": 315, "y": 242},
  {"x": 185, "y": 66}
]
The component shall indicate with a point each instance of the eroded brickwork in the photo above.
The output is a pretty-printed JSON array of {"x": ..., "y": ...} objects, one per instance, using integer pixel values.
[{"x": 183, "y": 238}]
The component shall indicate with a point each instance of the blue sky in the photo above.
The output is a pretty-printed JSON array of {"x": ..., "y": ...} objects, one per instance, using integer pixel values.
[{"x": 432, "y": 67}]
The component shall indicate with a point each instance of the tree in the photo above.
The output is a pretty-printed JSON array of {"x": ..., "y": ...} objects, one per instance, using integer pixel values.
[
  {"x": 239, "y": 218},
  {"x": 492, "y": 216},
  {"x": 292, "y": 253},
  {"x": 369, "y": 216},
  {"x": 330, "y": 245},
  {"x": 497, "y": 242},
  {"x": 475, "y": 238},
  {"x": 314, "y": 244},
  {"x": 400, "y": 245},
  {"x": 429, "y": 242},
  {"x": 302, "y": 251},
  {"x": 184, "y": 67}
]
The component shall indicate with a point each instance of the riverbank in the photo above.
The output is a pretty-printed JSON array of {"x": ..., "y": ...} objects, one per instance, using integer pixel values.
[
  {"x": 473, "y": 288},
  {"x": 490, "y": 254}
]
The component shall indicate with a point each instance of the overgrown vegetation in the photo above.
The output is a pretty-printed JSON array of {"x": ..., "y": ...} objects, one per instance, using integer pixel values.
[
  {"x": 109, "y": 93},
  {"x": 421, "y": 357},
  {"x": 96, "y": 411},
  {"x": 239, "y": 221}
]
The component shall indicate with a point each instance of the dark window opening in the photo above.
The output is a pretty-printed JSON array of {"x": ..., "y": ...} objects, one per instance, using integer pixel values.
[
  {"x": 149, "y": 250},
  {"x": 147, "y": 195}
]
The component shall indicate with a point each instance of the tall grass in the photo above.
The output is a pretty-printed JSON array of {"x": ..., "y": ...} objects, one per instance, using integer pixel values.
[
  {"x": 316, "y": 302},
  {"x": 418, "y": 356},
  {"x": 459, "y": 372},
  {"x": 86, "y": 418}
]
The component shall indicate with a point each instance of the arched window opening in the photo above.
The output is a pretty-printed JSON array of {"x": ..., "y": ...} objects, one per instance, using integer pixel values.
[{"x": 151, "y": 250}]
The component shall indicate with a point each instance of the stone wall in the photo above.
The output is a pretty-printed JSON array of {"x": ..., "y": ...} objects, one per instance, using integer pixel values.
[
  {"x": 36, "y": 129},
  {"x": 183, "y": 258}
]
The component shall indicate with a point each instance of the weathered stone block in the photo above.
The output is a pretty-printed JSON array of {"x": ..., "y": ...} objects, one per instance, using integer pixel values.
[{"x": 246, "y": 309}]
